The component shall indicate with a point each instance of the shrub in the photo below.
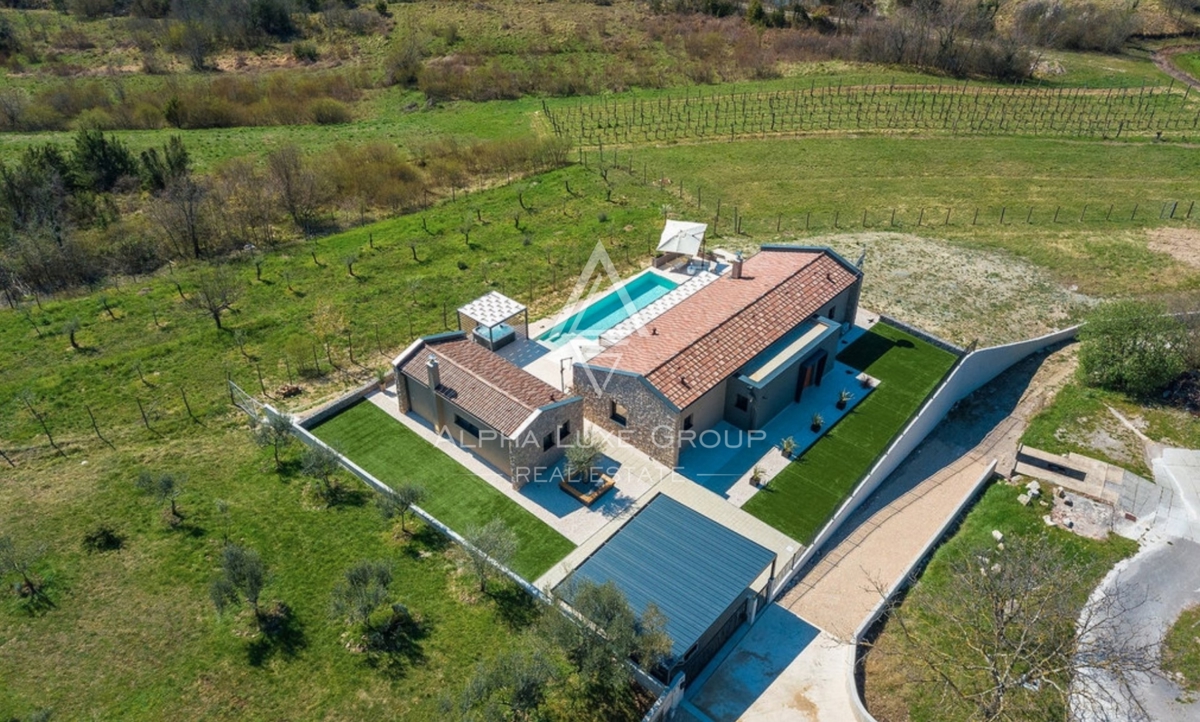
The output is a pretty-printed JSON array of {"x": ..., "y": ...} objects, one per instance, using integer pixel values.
[
  {"x": 1132, "y": 346},
  {"x": 305, "y": 52},
  {"x": 327, "y": 111}
]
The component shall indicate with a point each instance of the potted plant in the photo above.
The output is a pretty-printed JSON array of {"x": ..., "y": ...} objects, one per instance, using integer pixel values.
[
  {"x": 844, "y": 398},
  {"x": 865, "y": 381},
  {"x": 756, "y": 476},
  {"x": 788, "y": 446},
  {"x": 817, "y": 422},
  {"x": 583, "y": 456},
  {"x": 381, "y": 377}
]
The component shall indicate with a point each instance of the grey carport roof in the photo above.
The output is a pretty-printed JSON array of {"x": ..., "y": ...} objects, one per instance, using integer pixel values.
[{"x": 688, "y": 565}]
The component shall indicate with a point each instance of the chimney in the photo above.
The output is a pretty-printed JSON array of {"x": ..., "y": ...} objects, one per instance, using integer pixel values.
[
  {"x": 737, "y": 266},
  {"x": 435, "y": 380},
  {"x": 435, "y": 374}
]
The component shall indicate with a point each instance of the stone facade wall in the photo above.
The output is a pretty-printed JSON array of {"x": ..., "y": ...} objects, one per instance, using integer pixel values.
[
  {"x": 647, "y": 412},
  {"x": 525, "y": 452},
  {"x": 402, "y": 399}
]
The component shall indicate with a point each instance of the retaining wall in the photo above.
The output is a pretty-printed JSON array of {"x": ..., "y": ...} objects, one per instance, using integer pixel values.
[
  {"x": 971, "y": 372},
  {"x": 859, "y": 708}
]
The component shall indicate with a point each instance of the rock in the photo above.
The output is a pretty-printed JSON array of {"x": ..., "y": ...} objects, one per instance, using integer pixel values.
[
  {"x": 1000, "y": 546},
  {"x": 1023, "y": 499},
  {"x": 1046, "y": 518},
  {"x": 997, "y": 535}
]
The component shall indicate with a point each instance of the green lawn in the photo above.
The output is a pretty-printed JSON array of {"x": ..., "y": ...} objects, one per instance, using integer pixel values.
[
  {"x": 456, "y": 497},
  {"x": 801, "y": 499}
]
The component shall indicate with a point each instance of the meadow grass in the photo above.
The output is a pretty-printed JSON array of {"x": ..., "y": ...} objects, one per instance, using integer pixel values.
[
  {"x": 890, "y": 691},
  {"x": 803, "y": 497},
  {"x": 390, "y": 452},
  {"x": 787, "y": 188},
  {"x": 134, "y": 636},
  {"x": 390, "y": 300},
  {"x": 1079, "y": 411}
]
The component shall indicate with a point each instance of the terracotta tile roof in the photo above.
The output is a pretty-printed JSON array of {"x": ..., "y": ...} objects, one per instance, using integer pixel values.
[
  {"x": 483, "y": 383},
  {"x": 692, "y": 347}
]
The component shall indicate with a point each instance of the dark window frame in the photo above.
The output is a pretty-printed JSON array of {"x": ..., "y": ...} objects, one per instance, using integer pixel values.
[
  {"x": 614, "y": 412},
  {"x": 548, "y": 441},
  {"x": 688, "y": 423},
  {"x": 741, "y": 402},
  {"x": 466, "y": 426}
]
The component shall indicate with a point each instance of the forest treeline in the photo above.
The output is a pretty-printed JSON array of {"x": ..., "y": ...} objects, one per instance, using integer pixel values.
[{"x": 73, "y": 215}]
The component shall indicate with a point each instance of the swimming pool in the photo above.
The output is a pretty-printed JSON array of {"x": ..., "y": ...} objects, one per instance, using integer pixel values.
[{"x": 611, "y": 309}]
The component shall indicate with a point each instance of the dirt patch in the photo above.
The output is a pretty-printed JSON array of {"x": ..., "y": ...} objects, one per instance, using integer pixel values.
[
  {"x": 961, "y": 294},
  {"x": 1182, "y": 244},
  {"x": 1081, "y": 515}
]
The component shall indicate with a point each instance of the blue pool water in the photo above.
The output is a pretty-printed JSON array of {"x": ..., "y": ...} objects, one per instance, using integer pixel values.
[{"x": 611, "y": 309}]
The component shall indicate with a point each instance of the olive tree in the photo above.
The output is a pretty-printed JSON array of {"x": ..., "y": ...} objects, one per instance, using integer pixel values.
[
  {"x": 274, "y": 431},
  {"x": 243, "y": 576},
  {"x": 489, "y": 545},
  {"x": 217, "y": 289},
  {"x": 600, "y": 633},
  {"x": 164, "y": 487},
  {"x": 397, "y": 504}
]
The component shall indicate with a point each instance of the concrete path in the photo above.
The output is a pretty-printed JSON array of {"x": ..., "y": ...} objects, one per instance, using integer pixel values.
[
  {"x": 1166, "y": 575},
  {"x": 889, "y": 533},
  {"x": 790, "y": 681},
  {"x": 779, "y": 647}
]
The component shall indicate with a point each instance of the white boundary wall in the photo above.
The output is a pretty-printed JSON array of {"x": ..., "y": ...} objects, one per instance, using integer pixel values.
[
  {"x": 860, "y": 709},
  {"x": 971, "y": 372}
]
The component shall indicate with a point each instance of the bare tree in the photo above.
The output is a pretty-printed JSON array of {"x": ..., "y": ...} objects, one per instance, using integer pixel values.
[
  {"x": 1007, "y": 630},
  {"x": 300, "y": 190},
  {"x": 217, "y": 289},
  {"x": 182, "y": 214}
]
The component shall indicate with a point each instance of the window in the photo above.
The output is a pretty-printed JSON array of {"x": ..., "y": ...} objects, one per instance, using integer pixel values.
[
  {"x": 466, "y": 426},
  {"x": 548, "y": 441},
  {"x": 687, "y": 422},
  {"x": 742, "y": 403},
  {"x": 831, "y": 312},
  {"x": 619, "y": 414},
  {"x": 564, "y": 431}
]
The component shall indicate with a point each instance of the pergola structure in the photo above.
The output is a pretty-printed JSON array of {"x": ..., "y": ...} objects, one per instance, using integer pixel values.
[{"x": 495, "y": 320}]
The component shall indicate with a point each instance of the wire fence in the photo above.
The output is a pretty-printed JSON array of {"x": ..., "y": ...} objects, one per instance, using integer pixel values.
[{"x": 955, "y": 109}]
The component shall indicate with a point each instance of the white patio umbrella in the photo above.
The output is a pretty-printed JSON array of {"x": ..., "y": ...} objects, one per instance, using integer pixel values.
[{"x": 682, "y": 237}]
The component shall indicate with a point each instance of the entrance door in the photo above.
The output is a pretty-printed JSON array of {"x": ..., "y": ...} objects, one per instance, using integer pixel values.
[{"x": 811, "y": 373}]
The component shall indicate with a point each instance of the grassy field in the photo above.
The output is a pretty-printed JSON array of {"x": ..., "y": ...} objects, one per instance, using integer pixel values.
[
  {"x": 801, "y": 499},
  {"x": 139, "y": 619},
  {"x": 455, "y": 496},
  {"x": 390, "y": 300},
  {"x": 1078, "y": 420},
  {"x": 1181, "y": 648},
  {"x": 133, "y": 635},
  {"x": 800, "y": 187},
  {"x": 891, "y": 688}
]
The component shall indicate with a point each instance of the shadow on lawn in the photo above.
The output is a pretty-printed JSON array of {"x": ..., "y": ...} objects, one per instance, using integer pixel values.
[
  {"x": 397, "y": 644},
  {"x": 515, "y": 606},
  {"x": 280, "y": 632},
  {"x": 869, "y": 348}
]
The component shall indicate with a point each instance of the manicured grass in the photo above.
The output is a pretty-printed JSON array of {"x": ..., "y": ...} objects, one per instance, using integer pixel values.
[
  {"x": 133, "y": 635},
  {"x": 1181, "y": 648},
  {"x": 892, "y": 692},
  {"x": 801, "y": 499},
  {"x": 456, "y": 497}
]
